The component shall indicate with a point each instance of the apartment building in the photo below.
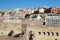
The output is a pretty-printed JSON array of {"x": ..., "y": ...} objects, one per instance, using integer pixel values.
[{"x": 52, "y": 20}]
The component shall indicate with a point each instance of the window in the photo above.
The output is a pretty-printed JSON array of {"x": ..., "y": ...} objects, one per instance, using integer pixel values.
[
  {"x": 39, "y": 33},
  {"x": 48, "y": 33},
  {"x": 52, "y": 33},
  {"x": 44, "y": 33},
  {"x": 52, "y": 12},
  {"x": 57, "y": 34},
  {"x": 55, "y": 10}
]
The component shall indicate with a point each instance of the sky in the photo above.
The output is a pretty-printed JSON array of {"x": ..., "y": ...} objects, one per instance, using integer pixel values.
[{"x": 11, "y": 4}]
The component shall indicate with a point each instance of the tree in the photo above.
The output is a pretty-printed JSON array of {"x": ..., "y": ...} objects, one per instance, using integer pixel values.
[{"x": 27, "y": 16}]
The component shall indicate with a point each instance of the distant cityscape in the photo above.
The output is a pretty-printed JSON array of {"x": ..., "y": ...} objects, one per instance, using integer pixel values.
[
  {"x": 42, "y": 23},
  {"x": 44, "y": 14}
]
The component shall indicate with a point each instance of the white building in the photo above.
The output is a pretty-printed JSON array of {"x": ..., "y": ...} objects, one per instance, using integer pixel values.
[
  {"x": 41, "y": 10},
  {"x": 52, "y": 20},
  {"x": 38, "y": 18},
  {"x": 15, "y": 10},
  {"x": 31, "y": 10}
]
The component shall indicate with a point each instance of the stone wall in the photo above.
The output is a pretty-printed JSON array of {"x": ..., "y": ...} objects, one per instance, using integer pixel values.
[{"x": 45, "y": 32}]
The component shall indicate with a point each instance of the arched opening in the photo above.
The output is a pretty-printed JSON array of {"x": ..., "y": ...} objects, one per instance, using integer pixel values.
[
  {"x": 52, "y": 33},
  {"x": 44, "y": 33},
  {"x": 48, "y": 33},
  {"x": 39, "y": 33},
  {"x": 57, "y": 34}
]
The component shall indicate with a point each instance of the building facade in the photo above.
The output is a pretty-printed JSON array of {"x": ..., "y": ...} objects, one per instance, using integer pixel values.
[
  {"x": 52, "y": 20},
  {"x": 41, "y": 10},
  {"x": 55, "y": 10}
]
